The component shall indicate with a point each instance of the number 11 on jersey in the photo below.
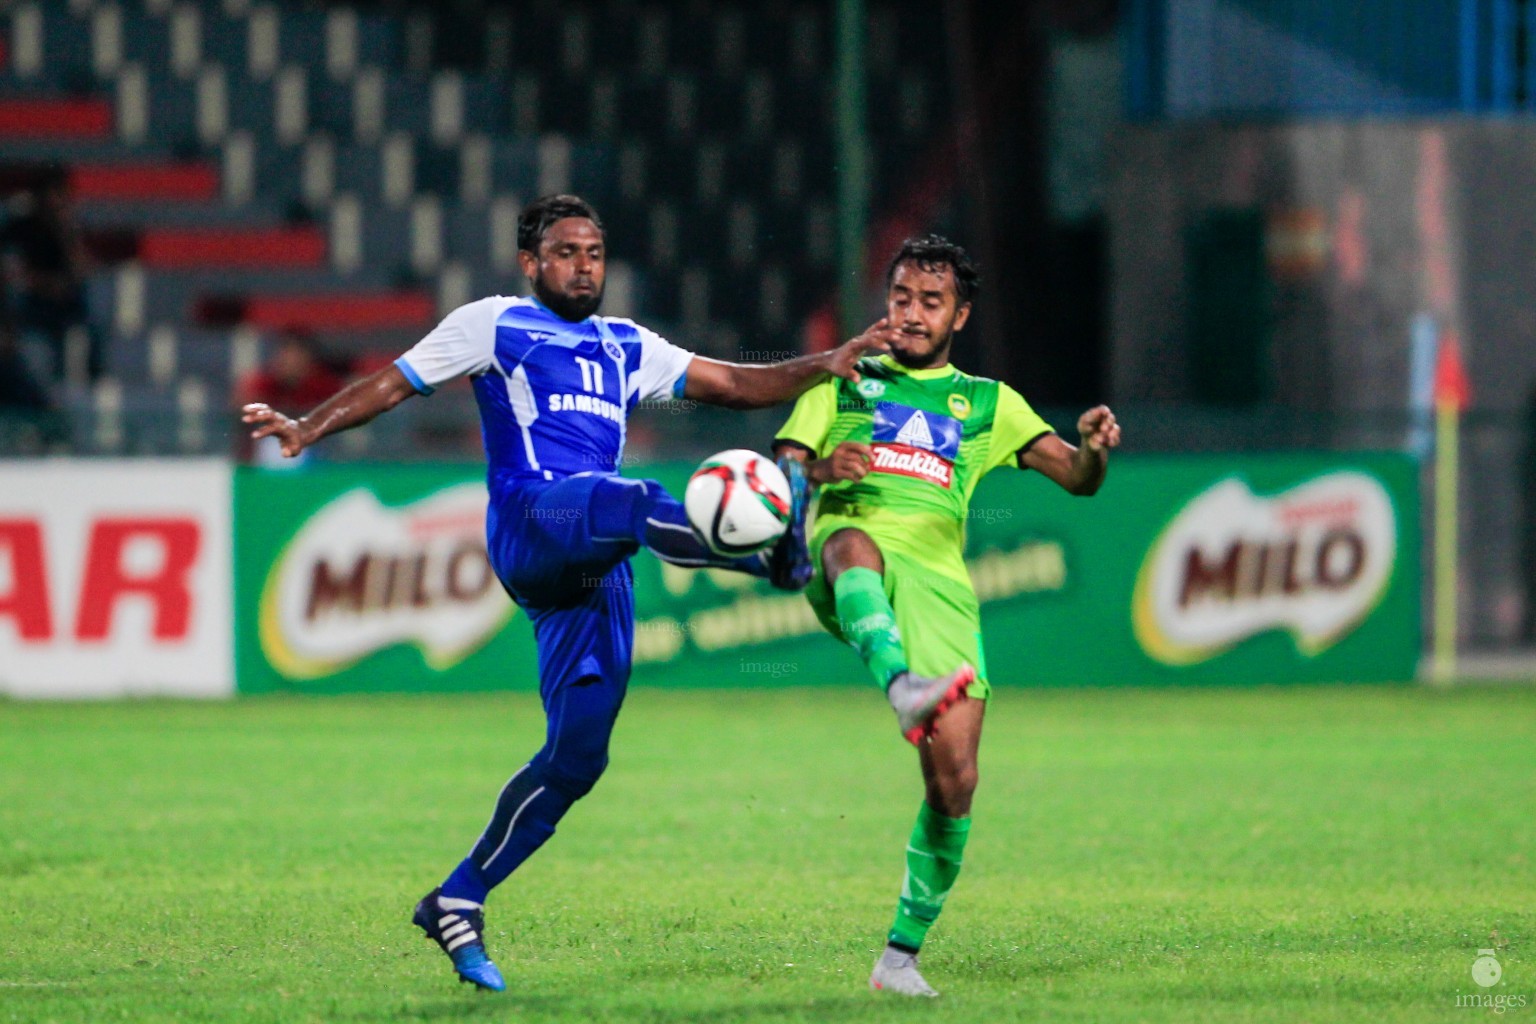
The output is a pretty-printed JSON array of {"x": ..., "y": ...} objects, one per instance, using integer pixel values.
[{"x": 591, "y": 375}]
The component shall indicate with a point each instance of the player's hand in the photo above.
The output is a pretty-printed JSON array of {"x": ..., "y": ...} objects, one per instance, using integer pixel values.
[
  {"x": 848, "y": 461},
  {"x": 271, "y": 423},
  {"x": 1099, "y": 429},
  {"x": 877, "y": 337}
]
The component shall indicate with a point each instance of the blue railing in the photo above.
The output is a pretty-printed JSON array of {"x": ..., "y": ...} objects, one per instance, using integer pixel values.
[{"x": 1194, "y": 59}]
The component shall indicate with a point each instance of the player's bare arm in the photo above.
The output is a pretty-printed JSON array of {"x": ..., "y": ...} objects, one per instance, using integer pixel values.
[
  {"x": 1079, "y": 470},
  {"x": 352, "y": 406},
  {"x": 737, "y": 386},
  {"x": 848, "y": 461}
]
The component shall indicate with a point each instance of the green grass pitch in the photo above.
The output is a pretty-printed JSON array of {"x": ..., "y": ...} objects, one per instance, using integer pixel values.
[{"x": 1309, "y": 854}]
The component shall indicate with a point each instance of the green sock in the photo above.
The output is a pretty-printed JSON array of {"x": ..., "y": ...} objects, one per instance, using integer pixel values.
[
  {"x": 934, "y": 854},
  {"x": 868, "y": 623}
]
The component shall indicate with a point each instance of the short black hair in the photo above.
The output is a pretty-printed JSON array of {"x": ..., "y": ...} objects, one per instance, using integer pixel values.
[
  {"x": 541, "y": 213},
  {"x": 935, "y": 252}
]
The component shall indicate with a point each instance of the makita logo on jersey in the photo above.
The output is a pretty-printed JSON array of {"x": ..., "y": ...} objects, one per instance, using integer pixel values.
[
  {"x": 914, "y": 442},
  {"x": 907, "y": 461}
]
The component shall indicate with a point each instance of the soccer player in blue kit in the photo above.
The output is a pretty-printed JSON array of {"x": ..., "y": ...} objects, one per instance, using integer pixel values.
[{"x": 554, "y": 384}]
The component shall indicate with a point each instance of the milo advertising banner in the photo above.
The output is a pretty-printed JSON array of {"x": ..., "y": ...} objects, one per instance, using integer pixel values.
[
  {"x": 1184, "y": 569},
  {"x": 370, "y": 578}
]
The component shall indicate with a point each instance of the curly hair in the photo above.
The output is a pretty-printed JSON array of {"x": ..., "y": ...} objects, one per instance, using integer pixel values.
[
  {"x": 536, "y": 219},
  {"x": 933, "y": 253}
]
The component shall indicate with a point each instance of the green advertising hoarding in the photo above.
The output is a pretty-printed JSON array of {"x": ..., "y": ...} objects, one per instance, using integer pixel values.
[{"x": 1184, "y": 569}]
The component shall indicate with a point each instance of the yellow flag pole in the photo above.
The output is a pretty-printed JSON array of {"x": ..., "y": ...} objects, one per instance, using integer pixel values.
[{"x": 1447, "y": 440}]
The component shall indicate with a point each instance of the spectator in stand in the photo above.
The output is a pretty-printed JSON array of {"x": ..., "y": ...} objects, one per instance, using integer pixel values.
[
  {"x": 48, "y": 264},
  {"x": 295, "y": 378},
  {"x": 29, "y": 419},
  {"x": 19, "y": 389}
]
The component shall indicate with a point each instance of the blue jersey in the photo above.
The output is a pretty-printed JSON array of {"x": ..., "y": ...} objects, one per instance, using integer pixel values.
[{"x": 553, "y": 395}]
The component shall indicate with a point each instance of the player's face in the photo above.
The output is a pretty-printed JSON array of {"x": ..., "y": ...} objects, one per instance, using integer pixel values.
[
  {"x": 568, "y": 270},
  {"x": 923, "y": 306}
]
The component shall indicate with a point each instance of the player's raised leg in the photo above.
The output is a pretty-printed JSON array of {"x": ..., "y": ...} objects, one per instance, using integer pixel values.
[
  {"x": 854, "y": 569},
  {"x": 662, "y": 526},
  {"x": 935, "y": 849}
]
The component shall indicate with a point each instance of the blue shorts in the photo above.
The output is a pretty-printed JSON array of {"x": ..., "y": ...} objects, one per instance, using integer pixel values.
[{"x": 561, "y": 549}]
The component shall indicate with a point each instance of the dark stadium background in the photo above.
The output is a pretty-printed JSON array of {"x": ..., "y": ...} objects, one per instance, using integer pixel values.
[{"x": 1289, "y": 241}]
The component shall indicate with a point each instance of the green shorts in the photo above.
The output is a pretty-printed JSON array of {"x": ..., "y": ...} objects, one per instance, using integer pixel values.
[{"x": 939, "y": 618}]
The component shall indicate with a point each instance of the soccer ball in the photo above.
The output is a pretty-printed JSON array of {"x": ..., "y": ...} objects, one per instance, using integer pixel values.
[{"x": 738, "y": 502}]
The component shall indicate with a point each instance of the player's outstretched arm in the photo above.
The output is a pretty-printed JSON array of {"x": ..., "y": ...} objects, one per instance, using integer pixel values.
[
  {"x": 1078, "y": 470},
  {"x": 352, "y": 406},
  {"x": 738, "y": 386}
]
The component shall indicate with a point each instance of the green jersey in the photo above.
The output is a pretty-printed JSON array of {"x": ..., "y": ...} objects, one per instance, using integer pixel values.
[{"x": 933, "y": 435}]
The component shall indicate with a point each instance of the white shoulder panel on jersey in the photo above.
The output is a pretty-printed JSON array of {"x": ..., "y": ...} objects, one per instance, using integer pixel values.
[
  {"x": 662, "y": 364},
  {"x": 463, "y": 344}
]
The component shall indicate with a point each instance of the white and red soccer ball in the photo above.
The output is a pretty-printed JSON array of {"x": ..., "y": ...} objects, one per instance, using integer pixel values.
[{"x": 738, "y": 502}]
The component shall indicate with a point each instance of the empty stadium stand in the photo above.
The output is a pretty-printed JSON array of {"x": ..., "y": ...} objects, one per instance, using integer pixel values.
[{"x": 243, "y": 166}]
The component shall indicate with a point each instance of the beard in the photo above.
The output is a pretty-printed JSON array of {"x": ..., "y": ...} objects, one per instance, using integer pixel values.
[
  {"x": 574, "y": 308},
  {"x": 922, "y": 361}
]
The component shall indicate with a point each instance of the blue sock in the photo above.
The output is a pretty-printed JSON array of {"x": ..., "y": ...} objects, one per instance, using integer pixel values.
[
  {"x": 525, "y": 817},
  {"x": 575, "y": 753},
  {"x": 670, "y": 538},
  {"x": 645, "y": 513}
]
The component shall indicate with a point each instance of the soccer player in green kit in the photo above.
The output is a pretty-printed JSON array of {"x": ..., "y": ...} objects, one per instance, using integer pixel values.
[{"x": 896, "y": 455}]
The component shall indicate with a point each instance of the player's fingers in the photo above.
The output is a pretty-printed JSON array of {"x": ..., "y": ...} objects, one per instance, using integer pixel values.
[{"x": 877, "y": 335}]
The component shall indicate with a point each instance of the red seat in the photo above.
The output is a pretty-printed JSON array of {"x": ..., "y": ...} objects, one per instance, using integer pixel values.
[
  {"x": 190, "y": 248},
  {"x": 320, "y": 314},
  {"x": 55, "y": 118},
  {"x": 190, "y": 182}
]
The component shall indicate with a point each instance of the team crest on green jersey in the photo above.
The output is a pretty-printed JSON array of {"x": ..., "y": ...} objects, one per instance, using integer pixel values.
[{"x": 871, "y": 388}]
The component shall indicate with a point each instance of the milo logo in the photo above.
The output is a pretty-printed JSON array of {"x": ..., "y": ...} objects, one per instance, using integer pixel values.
[
  {"x": 1314, "y": 560},
  {"x": 359, "y": 576}
]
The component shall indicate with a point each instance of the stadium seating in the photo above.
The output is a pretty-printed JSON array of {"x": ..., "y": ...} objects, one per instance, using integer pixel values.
[{"x": 245, "y": 165}]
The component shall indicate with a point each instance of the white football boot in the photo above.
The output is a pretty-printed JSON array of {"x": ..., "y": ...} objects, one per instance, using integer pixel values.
[
  {"x": 920, "y": 700},
  {"x": 896, "y": 971}
]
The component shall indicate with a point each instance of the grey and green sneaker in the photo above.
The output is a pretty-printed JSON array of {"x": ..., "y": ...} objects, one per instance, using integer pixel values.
[
  {"x": 896, "y": 971},
  {"x": 920, "y": 700}
]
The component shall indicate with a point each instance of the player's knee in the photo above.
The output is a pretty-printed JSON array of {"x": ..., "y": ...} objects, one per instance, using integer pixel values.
[
  {"x": 572, "y": 777},
  {"x": 851, "y": 548},
  {"x": 642, "y": 493},
  {"x": 952, "y": 788}
]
